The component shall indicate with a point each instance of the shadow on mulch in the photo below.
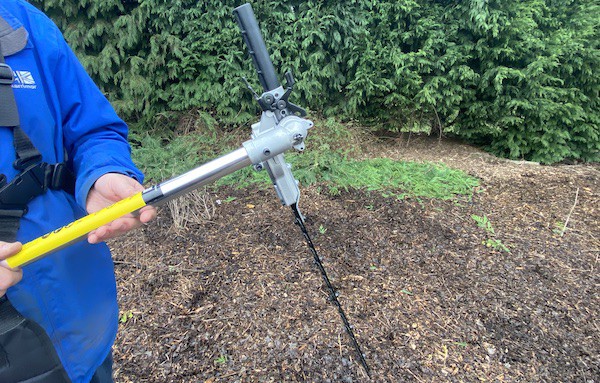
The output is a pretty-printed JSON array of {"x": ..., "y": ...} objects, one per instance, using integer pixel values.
[{"x": 237, "y": 297}]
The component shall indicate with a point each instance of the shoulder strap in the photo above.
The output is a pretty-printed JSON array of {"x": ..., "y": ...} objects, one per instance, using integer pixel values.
[
  {"x": 9, "y": 117},
  {"x": 8, "y": 107}
]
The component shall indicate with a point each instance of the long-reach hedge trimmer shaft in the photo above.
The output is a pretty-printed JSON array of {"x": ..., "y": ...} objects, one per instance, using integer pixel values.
[{"x": 282, "y": 126}]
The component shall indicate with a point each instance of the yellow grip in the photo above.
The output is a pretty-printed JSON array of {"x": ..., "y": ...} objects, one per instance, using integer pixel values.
[{"x": 72, "y": 232}]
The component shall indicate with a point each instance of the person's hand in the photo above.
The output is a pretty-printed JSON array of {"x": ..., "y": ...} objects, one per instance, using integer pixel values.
[
  {"x": 9, "y": 277},
  {"x": 111, "y": 188}
]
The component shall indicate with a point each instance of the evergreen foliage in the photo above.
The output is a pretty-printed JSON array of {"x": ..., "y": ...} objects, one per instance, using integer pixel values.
[{"x": 520, "y": 78}]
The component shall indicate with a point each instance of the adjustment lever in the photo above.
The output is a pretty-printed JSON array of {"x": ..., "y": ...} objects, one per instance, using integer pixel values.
[{"x": 250, "y": 88}]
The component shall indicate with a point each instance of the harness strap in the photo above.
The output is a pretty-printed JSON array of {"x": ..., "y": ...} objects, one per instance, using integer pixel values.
[
  {"x": 27, "y": 154},
  {"x": 8, "y": 107},
  {"x": 9, "y": 224},
  {"x": 9, "y": 116}
]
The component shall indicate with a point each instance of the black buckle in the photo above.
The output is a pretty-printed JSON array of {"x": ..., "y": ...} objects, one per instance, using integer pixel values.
[
  {"x": 24, "y": 187},
  {"x": 28, "y": 160},
  {"x": 58, "y": 176},
  {"x": 7, "y": 76}
]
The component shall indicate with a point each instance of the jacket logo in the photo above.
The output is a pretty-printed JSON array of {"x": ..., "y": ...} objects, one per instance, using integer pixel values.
[{"x": 24, "y": 80}]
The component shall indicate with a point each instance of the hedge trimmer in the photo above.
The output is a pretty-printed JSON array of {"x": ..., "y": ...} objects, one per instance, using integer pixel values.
[{"x": 282, "y": 127}]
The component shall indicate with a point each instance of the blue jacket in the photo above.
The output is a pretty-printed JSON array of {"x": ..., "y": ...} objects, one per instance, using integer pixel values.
[{"x": 71, "y": 293}]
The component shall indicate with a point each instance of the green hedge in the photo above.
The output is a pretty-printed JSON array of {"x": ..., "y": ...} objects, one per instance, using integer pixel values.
[{"x": 520, "y": 78}]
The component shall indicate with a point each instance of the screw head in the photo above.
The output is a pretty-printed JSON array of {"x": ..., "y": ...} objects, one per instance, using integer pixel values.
[
  {"x": 268, "y": 99},
  {"x": 298, "y": 138}
]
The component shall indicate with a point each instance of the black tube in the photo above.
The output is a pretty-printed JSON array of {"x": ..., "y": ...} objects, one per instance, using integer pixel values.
[{"x": 256, "y": 47}]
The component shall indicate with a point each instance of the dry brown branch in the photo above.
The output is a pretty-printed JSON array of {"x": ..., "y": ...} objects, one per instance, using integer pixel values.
[{"x": 570, "y": 212}]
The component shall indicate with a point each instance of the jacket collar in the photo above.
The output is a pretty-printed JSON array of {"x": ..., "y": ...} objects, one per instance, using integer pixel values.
[{"x": 13, "y": 35}]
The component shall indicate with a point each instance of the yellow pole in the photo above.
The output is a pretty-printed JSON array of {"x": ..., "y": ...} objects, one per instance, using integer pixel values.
[{"x": 70, "y": 233}]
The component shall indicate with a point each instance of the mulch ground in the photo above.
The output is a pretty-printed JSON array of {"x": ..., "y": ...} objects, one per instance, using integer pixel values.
[{"x": 228, "y": 292}]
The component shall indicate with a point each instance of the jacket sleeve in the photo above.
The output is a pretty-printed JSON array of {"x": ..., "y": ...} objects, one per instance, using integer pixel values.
[{"x": 94, "y": 136}]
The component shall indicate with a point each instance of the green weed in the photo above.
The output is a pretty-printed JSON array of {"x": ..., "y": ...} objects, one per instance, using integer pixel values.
[
  {"x": 221, "y": 359},
  {"x": 127, "y": 315},
  {"x": 496, "y": 244},
  {"x": 559, "y": 227},
  {"x": 484, "y": 223}
]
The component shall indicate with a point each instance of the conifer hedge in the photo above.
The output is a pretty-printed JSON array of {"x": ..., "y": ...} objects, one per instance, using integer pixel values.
[{"x": 518, "y": 77}]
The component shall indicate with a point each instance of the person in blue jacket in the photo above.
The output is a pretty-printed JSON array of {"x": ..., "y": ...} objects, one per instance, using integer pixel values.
[{"x": 70, "y": 293}]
